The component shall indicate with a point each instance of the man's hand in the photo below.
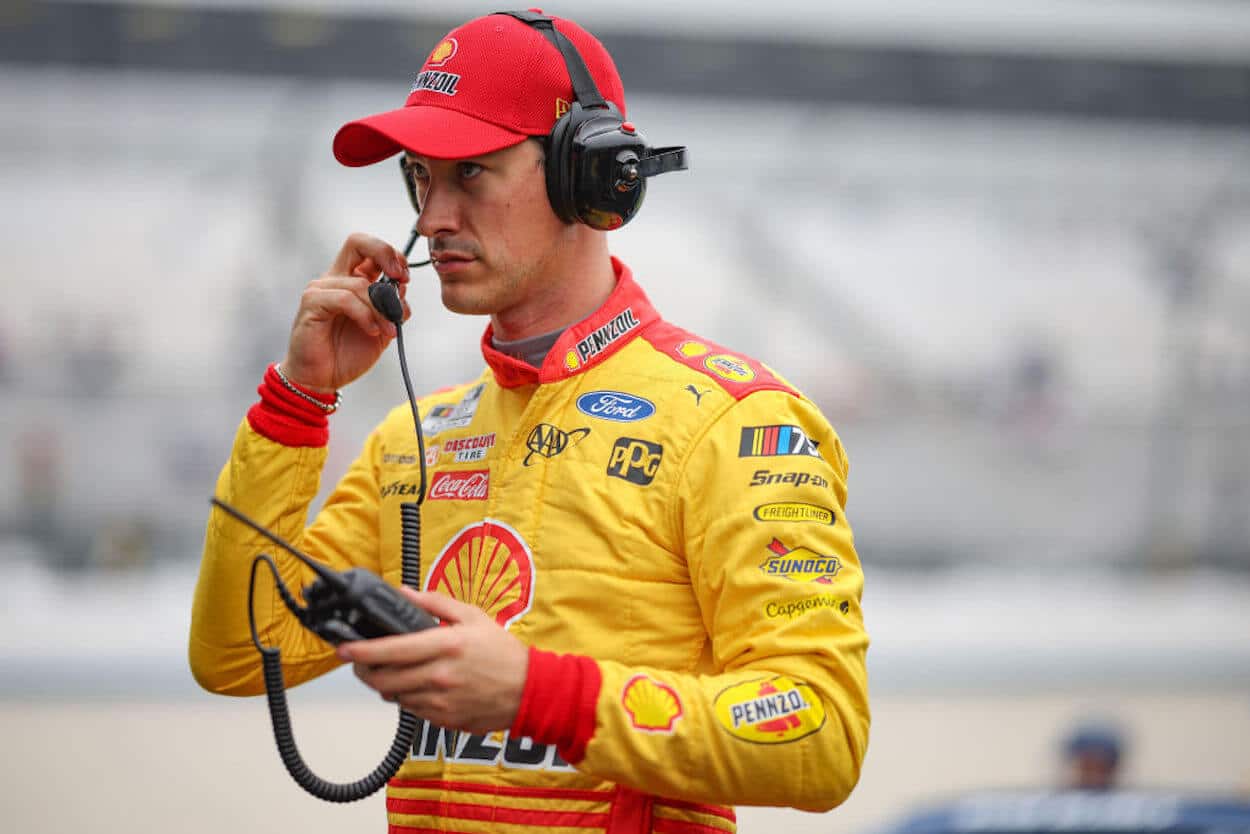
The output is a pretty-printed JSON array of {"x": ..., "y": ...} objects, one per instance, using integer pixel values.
[
  {"x": 337, "y": 334},
  {"x": 467, "y": 674}
]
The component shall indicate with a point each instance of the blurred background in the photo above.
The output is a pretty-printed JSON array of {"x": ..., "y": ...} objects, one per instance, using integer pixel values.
[{"x": 1005, "y": 244}]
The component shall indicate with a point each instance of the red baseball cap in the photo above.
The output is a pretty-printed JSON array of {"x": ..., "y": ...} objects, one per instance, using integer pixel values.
[{"x": 487, "y": 85}]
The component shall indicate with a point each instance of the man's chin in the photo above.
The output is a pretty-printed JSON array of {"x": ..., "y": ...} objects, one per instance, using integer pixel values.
[{"x": 457, "y": 300}]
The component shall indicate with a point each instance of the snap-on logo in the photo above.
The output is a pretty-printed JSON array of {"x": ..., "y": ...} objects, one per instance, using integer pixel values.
[{"x": 615, "y": 406}]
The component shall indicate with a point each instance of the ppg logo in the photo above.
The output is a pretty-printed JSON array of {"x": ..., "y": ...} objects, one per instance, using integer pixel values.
[{"x": 634, "y": 460}]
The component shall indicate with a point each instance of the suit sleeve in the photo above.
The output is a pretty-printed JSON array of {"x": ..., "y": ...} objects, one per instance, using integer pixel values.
[
  {"x": 275, "y": 484},
  {"x": 782, "y": 718}
]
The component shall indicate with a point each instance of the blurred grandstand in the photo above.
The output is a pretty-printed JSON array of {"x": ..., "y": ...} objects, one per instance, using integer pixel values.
[
  {"x": 1010, "y": 261},
  {"x": 1005, "y": 245}
]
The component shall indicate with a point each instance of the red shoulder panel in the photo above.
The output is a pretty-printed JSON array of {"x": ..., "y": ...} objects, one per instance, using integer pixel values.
[{"x": 738, "y": 374}]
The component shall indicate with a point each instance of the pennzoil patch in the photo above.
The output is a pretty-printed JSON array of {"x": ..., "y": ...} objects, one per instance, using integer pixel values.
[{"x": 775, "y": 710}]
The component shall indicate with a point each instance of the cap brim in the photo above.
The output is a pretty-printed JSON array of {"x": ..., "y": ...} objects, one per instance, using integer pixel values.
[{"x": 427, "y": 131}]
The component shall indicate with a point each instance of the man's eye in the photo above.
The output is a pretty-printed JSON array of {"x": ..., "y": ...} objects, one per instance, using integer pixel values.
[
  {"x": 418, "y": 172},
  {"x": 468, "y": 170}
]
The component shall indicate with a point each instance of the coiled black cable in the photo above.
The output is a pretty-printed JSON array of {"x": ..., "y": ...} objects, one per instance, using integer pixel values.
[{"x": 388, "y": 302}]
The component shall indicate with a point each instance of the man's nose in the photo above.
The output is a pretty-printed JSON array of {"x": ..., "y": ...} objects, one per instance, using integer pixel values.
[{"x": 440, "y": 212}]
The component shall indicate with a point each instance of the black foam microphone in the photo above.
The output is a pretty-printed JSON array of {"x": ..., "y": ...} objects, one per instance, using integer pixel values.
[{"x": 385, "y": 298}]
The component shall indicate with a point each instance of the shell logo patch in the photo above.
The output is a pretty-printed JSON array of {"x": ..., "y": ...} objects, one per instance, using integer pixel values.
[
  {"x": 692, "y": 349},
  {"x": 653, "y": 707},
  {"x": 773, "y": 710},
  {"x": 800, "y": 564},
  {"x": 729, "y": 367},
  {"x": 570, "y": 361},
  {"x": 486, "y": 564},
  {"x": 442, "y": 53}
]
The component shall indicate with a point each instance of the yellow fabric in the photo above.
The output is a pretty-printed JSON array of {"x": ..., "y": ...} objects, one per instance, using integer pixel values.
[{"x": 719, "y": 593}]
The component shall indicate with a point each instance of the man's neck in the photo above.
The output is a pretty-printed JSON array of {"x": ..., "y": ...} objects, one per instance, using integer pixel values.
[{"x": 560, "y": 303}]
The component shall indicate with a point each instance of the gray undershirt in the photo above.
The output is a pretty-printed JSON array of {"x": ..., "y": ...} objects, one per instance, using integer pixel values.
[{"x": 532, "y": 351}]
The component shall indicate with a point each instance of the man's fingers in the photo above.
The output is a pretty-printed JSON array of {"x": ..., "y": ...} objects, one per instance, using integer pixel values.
[
  {"x": 341, "y": 301},
  {"x": 446, "y": 608},
  {"x": 360, "y": 247},
  {"x": 398, "y": 649}
]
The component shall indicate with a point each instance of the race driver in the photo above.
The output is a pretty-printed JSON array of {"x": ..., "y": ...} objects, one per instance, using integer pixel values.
[{"x": 634, "y": 538}]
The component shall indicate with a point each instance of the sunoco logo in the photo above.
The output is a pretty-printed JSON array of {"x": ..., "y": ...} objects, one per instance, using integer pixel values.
[
  {"x": 800, "y": 564},
  {"x": 615, "y": 406},
  {"x": 794, "y": 511},
  {"x": 775, "y": 710}
]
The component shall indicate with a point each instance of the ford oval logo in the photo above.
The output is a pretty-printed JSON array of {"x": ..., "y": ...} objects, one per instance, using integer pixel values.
[{"x": 615, "y": 406}]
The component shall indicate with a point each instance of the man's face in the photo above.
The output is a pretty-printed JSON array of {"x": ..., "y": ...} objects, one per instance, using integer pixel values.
[{"x": 493, "y": 235}]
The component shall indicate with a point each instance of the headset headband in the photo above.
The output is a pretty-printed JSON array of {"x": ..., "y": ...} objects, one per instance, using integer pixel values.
[{"x": 584, "y": 88}]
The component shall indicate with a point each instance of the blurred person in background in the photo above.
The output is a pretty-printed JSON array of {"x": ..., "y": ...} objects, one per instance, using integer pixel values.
[
  {"x": 634, "y": 539},
  {"x": 1092, "y": 756}
]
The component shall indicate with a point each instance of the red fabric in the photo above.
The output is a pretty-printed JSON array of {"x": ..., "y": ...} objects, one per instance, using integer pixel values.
[
  {"x": 631, "y": 812},
  {"x": 558, "y": 702},
  {"x": 286, "y": 418},
  {"x": 487, "y": 85},
  {"x": 625, "y": 314},
  {"x": 702, "y": 355},
  {"x": 505, "y": 790},
  {"x": 491, "y": 813}
]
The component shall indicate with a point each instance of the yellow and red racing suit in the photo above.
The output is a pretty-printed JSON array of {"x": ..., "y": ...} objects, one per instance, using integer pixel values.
[{"x": 658, "y": 518}]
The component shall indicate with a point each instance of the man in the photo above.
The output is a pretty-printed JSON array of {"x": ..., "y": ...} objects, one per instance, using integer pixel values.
[
  {"x": 1092, "y": 753},
  {"x": 634, "y": 538}
]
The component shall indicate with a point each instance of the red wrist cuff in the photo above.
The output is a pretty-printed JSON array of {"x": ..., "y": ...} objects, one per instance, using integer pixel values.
[
  {"x": 287, "y": 418},
  {"x": 558, "y": 703}
]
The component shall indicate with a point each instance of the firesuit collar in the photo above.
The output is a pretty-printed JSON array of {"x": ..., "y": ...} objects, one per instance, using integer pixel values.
[{"x": 621, "y": 319}]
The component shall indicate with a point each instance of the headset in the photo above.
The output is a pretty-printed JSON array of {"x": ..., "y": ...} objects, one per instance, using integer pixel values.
[{"x": 597, "y": 163}]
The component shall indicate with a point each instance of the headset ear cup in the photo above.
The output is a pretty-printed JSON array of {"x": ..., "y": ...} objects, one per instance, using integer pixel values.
[{"x": 559, "y": 167}]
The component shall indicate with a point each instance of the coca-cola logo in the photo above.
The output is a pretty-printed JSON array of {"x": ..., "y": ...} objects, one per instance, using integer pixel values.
[{"x": 471, "y": 485}]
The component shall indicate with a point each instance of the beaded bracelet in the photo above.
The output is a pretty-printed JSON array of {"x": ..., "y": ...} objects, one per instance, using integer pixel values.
[{"x": 328, "y": 408}]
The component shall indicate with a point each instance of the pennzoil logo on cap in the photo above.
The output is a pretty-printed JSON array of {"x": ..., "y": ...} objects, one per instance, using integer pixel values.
[
  {"x": 442, "y": 53},
  {"x": 436, "y": 81}
]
